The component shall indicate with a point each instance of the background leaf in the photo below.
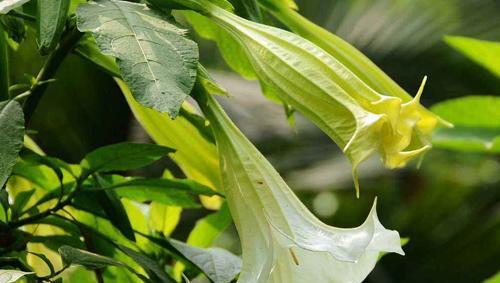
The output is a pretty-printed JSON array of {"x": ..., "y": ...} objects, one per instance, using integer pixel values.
[
  {"x": 156, "y": 60},
  {"x": 477, "y": 124},
  {"x": 123, "y": 156},
  {"x": 11, "y": 139},
  {"x": 486, "y": 53}
]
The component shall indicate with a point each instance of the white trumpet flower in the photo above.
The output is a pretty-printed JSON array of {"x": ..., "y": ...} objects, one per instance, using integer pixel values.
[{"x": 282, "y": 241}]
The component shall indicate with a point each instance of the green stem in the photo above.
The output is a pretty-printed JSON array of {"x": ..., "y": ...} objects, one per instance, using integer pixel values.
[
  {"x": 48, "y": 71},
  {"x": 4, "y": 65}
]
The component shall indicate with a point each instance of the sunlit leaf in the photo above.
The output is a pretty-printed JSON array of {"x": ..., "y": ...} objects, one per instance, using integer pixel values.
[
  {"x": 156, "y": 59},
  {"x": 477, "y": 124},
  {"x": 485, "y": 53},
  {"x": 90, "y": 260}
]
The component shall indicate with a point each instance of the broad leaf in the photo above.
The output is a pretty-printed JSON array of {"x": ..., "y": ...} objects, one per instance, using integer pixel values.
[
  {"x": 485, "y": 53},
  {"x": 7, "y": 5},
  {"x": 477, "y": 124},
  {"x": 11, "y": 137},
  {"x": 51, "y": 20},
  {"x": 180, "y": 185},
  {"x": 123, "y": 156},
  {"x": 113, "y": 207},
  {"x": 156, "y": 60},
  {"x": 90, "y": 260},
  {"x": 88, "y": 49},
  {"x": 11, "y": 276},
  {"x": 218, "y": 264}
]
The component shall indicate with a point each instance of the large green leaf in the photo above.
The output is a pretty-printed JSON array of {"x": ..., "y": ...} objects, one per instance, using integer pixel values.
[
  {"x": 123, "y": 156},
  {"x": 51, "y": 20},
  {"x": 485, "y": 53},
  {"x": 7, "y": 5},
  {"x": 156, "y": 59},
  {"x": 218, "y": 264},
  {"x": 11, "y": 276},
  {"x": 477, "y": 124},
  {"x": 11, "y": 137}
]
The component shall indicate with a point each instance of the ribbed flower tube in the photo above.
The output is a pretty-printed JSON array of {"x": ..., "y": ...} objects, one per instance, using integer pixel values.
[
  {"x": 360, "y": 120},
  {"x": 282, "y": 241}
]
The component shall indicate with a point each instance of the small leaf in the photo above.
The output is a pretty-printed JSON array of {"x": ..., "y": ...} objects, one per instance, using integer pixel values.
[
  {"x": 11, "y": 137},
  {"x": 90, "y": 260},
  {"x": 8, "y": 5},
  {"x": 122, "y": 156},
  {"x": 11, "y": 276},
  {"x": 218, "y": 264},
  {"x": 477, "y": 124},
  {"x": 156, "y": 60},
  {"x": 51, "y": 20}
]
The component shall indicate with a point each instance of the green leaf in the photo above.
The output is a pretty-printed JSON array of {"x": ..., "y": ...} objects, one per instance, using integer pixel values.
[
  {"x": 230, "y": 49},
  {"x": 219, "y": 265},
  {"x": 51, "y": 20},
  {"x": 181, "y": 185},
  {"x": 156, "y": 60},
  {"x": 485, "y": 53},
  {"x": 122, "y": 156},
  {"x": 113, "y": 207},
  {"x": 11, "y": 276},
  {"x": 88, "y": 49},
  {"x": 11, "y": 137},
  {"x": 53, "y": 163},
  {"x": 8, "y": 5},
  {"x": 20, "y": 202},
  {"x": 494, "y": 279},
  {"x": 477, "y": 124},
  {"x": 164, "y": 218},
  {"x": 155, "y": 272},
  {"x": 14, "y": 27},
  {"x": 194, "y": 154},
  {"x": 90, "y": 260}
]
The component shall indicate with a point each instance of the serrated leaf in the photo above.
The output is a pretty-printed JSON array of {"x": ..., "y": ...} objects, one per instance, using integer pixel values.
[
  {"x": 8, "y": 5},
  {"x": 123, "y": 156},
  {"x": 218, "y": 264},
  {"x": 11, "y": 137},
  {"x": 11, "y": 276},
  {"x": 156, "y": 60},
  {"x": 51, "y": 20},
  {"x": 477, "y": 124},
  {"x": 485, "y": 53}
]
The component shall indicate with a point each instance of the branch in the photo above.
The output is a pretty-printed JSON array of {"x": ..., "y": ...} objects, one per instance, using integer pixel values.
[{"x": 48, "y": 70}]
